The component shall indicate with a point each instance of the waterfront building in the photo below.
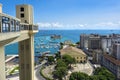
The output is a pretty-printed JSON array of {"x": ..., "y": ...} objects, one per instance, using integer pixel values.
[
  {"x": 112, "y": 61},
  {"x": 14, "y": 30},
  {"x": 84, "y": 41},
  {"x": 107, "y": 40},
  {"x": 91, "y": 41},
  {"x": 76, "y": 53},
  {"x": 116, "y": 50},
  {"x": 106, "y": 43},
  {"x": 112, "y": 64},
  {"x": 94, "y": 41}
]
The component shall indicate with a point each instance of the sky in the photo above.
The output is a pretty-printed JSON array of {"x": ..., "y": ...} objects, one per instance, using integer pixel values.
[{"x": 71, "y": 14}]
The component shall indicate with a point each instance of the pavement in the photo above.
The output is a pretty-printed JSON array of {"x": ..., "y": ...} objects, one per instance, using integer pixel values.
[
  {"x": 85, "y": 68},
  {"x": 36, "y": 72}
]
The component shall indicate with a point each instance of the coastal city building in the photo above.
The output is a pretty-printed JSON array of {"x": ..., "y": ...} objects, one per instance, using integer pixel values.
[
  {"x": 116, "y": 50},
  {"x": 112, "y": 64},
  {"x": 14, "y": 30},
  {"x": 84, "y": 41},
  {"x": 94, "y": 41},
  {"x": 91, "y": 41},
  {"x": 104, "y": 49},
  {"x": 76, "y": 53},
  {"x": 107, "y": 40}
]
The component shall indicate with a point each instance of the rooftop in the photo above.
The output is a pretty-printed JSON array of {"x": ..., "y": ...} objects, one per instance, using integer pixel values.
[
  {"x": 111, "y": 59},
  {"x": 72, "y": 51}
]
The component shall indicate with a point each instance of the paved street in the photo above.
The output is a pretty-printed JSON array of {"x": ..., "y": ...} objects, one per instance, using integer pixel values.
[{"x": 37, "y": 74}]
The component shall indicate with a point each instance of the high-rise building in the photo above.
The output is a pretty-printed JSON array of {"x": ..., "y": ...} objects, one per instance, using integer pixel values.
[
  {"x": 83, "y": 41},
  {"x": 116, "y": 50},
  {"x": 25, "y": 13},
  {"x": 112, "y": 61},
  {"x": 94, "y": 42}
]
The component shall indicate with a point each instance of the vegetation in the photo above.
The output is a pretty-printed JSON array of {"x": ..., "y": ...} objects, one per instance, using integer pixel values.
[
  {"x": 61, "y": 69},
  {"x": 77, "y": 43},
  {"x": 57, "y": 55},
  {"x": 13, "y": 70},
  {"x": 68, "y": 60},
  {"x": 61, "y": 45},
  {"x": 99, "y": 74},
  {"x": 104, "y": 72},
  {"x": 61, "y": 66},
  {"x": 73, "y": 45},
  {"x": 60, "y": 72},
  {"x": 79, "y": 76},
  {"x": 50, "y": 59},
  {"x": 60, "y": 63}
]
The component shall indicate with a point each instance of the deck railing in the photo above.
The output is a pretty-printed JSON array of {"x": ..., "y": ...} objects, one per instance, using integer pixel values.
[{"x": 12, "y": 24}]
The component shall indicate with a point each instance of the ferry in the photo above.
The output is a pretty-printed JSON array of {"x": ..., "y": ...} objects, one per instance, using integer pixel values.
[{"x": 56, "y": 36}]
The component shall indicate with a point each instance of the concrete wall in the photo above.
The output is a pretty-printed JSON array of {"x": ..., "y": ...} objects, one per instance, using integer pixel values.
[
  {"x": 2, "y": 63},
  {"x": 28, "y": 13},
  {"x": 26, "y": 55}
]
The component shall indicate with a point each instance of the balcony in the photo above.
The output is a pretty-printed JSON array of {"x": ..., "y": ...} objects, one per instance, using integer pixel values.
[
  {"x": 12, "y": 24},
  {"x": 11, "y": 29},
  {"x": 29, "y": 27}
]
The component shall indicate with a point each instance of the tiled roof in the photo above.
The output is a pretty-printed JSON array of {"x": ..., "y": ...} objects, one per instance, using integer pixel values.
[
  {"x": 72, "y": 51},
  {"x": 111, "y": 59}
]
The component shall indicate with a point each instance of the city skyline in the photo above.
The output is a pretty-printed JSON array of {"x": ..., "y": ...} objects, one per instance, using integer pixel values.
[{"x": 71, "y": 14}]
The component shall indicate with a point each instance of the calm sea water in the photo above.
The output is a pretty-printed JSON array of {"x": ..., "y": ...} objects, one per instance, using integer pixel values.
[{"x": 44, "y": 43}]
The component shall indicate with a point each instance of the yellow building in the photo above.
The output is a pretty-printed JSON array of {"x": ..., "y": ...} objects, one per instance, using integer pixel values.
[{"x": 76, "y": 53}]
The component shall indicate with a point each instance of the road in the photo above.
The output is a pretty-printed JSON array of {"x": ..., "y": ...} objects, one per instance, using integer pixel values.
[{"x": 36, "y": 72}]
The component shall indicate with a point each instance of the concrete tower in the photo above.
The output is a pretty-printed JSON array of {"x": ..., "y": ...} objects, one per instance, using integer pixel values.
[
  {"x": 26, "y": 48},
  {"x": 12, "y": 31},
  {"x": 25, "y": 13}
]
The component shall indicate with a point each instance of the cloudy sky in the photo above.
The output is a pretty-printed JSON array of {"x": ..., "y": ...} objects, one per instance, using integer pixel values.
[{"x": 71, "y": 14}]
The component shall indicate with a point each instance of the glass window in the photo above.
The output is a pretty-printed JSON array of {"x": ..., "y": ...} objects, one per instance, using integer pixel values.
[
  {"x": 5, "y": 27},
  {"x": 22, "y": 15},
  {"x": 12, "y": 26},
  {"x": 17, "y": 26},
  {"x": 21, "y": 9}
]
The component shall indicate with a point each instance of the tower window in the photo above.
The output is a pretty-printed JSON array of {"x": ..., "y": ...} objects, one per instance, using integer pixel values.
[
  {"x": 22, "y": 15},
  {"x": 21, "y": 9}
]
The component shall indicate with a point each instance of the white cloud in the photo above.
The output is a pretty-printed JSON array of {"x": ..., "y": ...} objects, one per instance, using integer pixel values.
[{"x": 57, "y": 25}]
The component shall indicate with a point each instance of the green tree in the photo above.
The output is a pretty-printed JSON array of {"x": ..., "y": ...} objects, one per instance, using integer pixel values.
[
  {"x": 60, "y": 72},
  {"x": 57, "y": 55},
  {"x": 77, "y": 43},
  {"x": 61, "y": 63},
  {"x": 68, "y": 60},
  {"x": 61, "y": 69},
  {"x": 94, "y": 77},
  {"x": 104, "y": 72},
  {"x": 50, "y": 59},
  {"x": 78, "y": 76}
]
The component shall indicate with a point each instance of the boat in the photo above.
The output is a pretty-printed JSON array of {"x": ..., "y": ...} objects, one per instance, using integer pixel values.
[{"x": 56, "y": 36}]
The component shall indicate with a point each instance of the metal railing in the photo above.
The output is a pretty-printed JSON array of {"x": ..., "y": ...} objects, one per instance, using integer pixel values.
[{"x": 12, "y": 24}]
